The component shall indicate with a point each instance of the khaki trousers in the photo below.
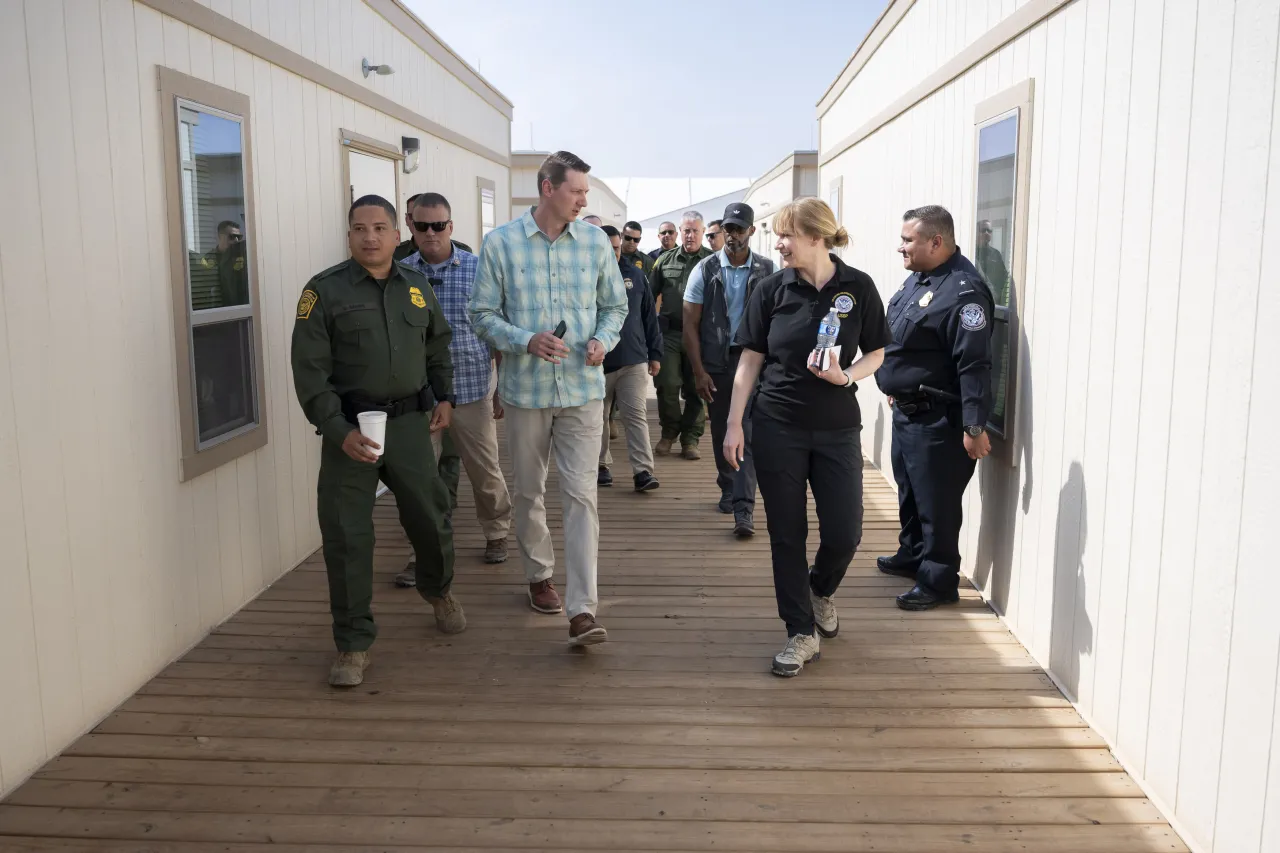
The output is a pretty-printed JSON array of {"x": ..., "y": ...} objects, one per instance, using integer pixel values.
[
  {"x": 629, "y": 386},
  {"x": 573, "y": 434},
  {"x": 475, "y": 436}
]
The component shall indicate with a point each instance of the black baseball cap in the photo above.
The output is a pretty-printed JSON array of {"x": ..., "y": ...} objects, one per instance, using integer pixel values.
[{"x": 739, "y": 214}]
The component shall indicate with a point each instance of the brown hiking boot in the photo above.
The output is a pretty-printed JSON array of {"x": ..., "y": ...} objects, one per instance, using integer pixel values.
[
  {"x": 544, "y": 598},
  {"x": 449, "y": 616},
  {"x": 690, "y": 451},
  {"x": 408, "y": 578},
  {"x": 348, "y": 669},
  {"x": 584, "y": 630},
  {"x": 663, "y": 446},
  {"x": 495, "y": 550}
]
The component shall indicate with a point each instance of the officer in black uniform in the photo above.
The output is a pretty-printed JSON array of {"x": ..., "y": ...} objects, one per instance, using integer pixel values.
[{"x": 937, "y": 375}]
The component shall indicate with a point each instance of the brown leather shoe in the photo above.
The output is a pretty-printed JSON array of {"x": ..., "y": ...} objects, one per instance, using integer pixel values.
[
  {"x": 584, "y": 630},
  {"x": 495, "y": 550},
  {"x": 544, "y": 598}
]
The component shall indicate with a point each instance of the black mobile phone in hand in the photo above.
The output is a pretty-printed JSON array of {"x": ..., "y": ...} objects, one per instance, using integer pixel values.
[{"x": 560, "y": 330}]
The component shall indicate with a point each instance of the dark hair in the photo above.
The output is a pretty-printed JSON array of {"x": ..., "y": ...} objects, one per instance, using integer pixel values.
[
  {"x": 610, "y": 231},
  {"x": 226, "y": 225},
  {"x": 719, "y": 222},
  {"x": 634, "y": 226},
  {"x": 372, "y": 201},
  {"x": 555, "y": 167},
  {"x": 934, "y": 219},
  {"x": 411, "y": 199},
  {"x": 430, "y": 200}
]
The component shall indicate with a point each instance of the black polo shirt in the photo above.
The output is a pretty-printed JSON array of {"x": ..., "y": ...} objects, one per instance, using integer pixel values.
[{"x": 781, "y": 321}]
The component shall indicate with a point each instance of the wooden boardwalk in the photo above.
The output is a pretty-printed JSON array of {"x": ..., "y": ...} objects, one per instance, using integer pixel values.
[{"x": 915, "y": 732}]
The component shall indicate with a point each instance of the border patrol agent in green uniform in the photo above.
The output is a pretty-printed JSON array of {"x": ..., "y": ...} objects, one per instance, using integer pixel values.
[
  {"x": 370, "y": 336},
  {"x": 668, "y": 278}
]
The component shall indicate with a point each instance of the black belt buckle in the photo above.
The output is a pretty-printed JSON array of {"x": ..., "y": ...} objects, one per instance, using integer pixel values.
[{"x": 913, "y": 407}]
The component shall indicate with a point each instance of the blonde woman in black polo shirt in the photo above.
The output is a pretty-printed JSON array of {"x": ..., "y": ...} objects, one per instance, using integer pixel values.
[{"x": 807, "y": 417}]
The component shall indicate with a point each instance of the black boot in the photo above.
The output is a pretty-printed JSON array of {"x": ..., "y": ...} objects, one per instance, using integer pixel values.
[
  {"x": 923, "y": 598},
  {"x": 896, "y": 566}
]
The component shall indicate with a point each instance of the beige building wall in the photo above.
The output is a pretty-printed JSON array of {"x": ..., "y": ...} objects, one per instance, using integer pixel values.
[
  {"x": 1126, "y": 536},
  {"x": 110, "y": 566},
  {"x": 794, "y": 177}
]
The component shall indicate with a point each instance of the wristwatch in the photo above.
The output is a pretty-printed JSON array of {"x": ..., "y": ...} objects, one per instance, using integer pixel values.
[{"x": 975, "y": 430}]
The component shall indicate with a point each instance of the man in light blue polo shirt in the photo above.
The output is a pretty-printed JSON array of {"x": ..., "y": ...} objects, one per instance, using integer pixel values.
[{"x": 715, "y": 299}]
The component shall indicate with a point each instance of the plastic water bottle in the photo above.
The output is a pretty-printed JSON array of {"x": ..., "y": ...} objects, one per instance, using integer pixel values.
[{"x": 829, "y": 330}]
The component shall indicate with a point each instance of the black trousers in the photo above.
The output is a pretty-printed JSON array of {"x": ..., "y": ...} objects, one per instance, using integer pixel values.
[
  {"x": 741, "y": 483},
  {"x": 830, "y": 463},
  {"x": 932, "y": 470}
]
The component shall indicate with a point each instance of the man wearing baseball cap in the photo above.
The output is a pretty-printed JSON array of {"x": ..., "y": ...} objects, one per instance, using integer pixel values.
[{"x": 714, "y": 301}]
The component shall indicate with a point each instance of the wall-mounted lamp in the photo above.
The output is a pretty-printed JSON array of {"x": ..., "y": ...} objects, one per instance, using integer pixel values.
[
  {"x": 375, "y": 69},
  {"x": 409, "y": 145}
]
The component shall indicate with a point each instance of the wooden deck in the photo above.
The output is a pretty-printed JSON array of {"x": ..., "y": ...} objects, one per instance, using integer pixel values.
[{"x": 914, "y": 733}]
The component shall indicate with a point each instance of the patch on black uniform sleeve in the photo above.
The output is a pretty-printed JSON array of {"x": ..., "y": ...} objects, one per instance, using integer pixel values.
[{"x": 973, "y": 317}]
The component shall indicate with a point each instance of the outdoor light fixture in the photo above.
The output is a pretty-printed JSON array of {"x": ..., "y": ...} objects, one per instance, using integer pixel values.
[
  {"x": 409, "y": 145},
  {"x": 376, "y": 69}
]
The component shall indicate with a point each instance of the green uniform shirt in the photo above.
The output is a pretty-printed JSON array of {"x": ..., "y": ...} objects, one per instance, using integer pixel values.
[
  {"x": 641, "y": 261},
  {"x": 668, "y": 278},
  {"x": 384, "y": 341}
]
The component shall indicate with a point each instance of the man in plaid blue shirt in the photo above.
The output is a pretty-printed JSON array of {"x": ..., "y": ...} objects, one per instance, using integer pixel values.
[
  {"x": 537, "y": 272},
  {"x": 473, "y": 431}
]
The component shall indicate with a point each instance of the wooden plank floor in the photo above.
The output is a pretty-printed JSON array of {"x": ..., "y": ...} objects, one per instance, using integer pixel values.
[{"x": 914, "y": 733}]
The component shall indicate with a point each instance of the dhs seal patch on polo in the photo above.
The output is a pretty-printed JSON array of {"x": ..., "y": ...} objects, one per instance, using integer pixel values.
[
  {"x": 844, "y": 304},
  {"x": 973, "y": 317}
]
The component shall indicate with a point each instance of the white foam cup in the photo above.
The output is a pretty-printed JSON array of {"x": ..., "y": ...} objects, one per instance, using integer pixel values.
[{"x": 373, "y": 426}]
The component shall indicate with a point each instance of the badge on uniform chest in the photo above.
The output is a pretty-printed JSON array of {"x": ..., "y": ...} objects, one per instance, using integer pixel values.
[
  {"x": 415, "y": 296},
  {"x": 926, "y": 299},
  {"x": 843, "y": 304}
]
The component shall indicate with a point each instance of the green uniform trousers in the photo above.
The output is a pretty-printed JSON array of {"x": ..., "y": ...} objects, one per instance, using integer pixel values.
[
  {"x": 675, "y": 377},
  {"x": 345, "y": 499},
  {"x": 450, "y": 468}
]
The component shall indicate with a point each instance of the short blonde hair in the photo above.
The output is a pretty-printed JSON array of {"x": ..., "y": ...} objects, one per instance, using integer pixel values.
[{"x": 812, "y": 218}]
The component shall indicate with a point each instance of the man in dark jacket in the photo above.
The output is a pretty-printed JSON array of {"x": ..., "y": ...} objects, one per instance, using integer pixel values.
[
  {"x": 628, "y": 369},
  {"x": 715, "y": 299}
]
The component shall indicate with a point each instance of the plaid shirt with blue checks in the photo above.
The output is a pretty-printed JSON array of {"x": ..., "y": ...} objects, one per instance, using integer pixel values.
[
  {"x": 528, "y": 283},
  {"x": 472, "y": 367}
]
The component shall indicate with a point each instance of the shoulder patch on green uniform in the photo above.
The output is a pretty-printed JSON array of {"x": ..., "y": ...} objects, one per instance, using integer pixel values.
[{"x": 306, "y": 303}]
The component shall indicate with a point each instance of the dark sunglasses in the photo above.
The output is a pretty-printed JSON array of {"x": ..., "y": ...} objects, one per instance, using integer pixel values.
[
  {"x": 628, "y": 239},
  {"x": 715, "y": 234},
  {"x": 235, "y": 238},
  {"x": 666, "y": 233},
  {"x": 434, "y": 226}
]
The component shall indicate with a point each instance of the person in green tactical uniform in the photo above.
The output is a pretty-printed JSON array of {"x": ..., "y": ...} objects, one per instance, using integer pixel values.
[
  {"x": 369, "y": 336},
  {"x": 668, "y": 278}
]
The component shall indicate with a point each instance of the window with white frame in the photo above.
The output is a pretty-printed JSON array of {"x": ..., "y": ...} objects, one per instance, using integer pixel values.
[
  {"x": 488, "y": 208},
  {"x": 999, "y": 238}
]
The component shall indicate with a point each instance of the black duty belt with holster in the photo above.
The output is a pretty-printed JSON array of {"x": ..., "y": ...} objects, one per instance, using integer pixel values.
[
  {"x": 923, "y": 400},
  {"x": 353, "y": 404}
]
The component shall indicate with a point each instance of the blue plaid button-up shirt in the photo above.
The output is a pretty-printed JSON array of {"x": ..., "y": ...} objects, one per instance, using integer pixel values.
[
  {"x": 472, "y": 360},
  {"x": 527, "y": 283}
]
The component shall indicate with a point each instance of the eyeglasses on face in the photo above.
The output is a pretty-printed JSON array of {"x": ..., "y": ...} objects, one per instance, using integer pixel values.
[
  {"x": 235, "y": 236},
  {"x": 734, "y": 230},
  {"x": 666, "y": 233},
  {"x": 434, "y": 226},
  {"x": 712, "y": 235},
  {"x": 627, "y": 238}
]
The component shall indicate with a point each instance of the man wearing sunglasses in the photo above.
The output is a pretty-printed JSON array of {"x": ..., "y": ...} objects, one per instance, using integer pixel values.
[
  {"x": 472, "y": 437},
  {"x": 666, "y": 234},
  {"x": 410, "y": 246},
  {"x": 631, "y": 253},
  {"x": 715, "y": 235}
]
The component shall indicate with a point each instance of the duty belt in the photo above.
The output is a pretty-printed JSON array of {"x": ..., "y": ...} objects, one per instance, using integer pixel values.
[{"x": 353, "y": 404}]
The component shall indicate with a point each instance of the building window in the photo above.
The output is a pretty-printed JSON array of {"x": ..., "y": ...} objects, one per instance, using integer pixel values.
[
  {"x": 217, "y": 327},
  {"x": 488, "y": 190},
  {"x": 835, "y": 191},
  {"x": 999, "y": 238}
]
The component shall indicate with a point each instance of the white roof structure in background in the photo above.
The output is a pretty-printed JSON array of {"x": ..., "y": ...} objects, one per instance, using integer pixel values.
[{"x": 646, "y": 198}]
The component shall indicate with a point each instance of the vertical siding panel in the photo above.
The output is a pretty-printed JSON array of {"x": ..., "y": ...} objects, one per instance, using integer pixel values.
[
  {"x": 1196, "y": 309},
  {"x": 1168, "y": 203},
  {"x": 1131, "y": 284},
  {"x": 1241, "y": 143},
  {"x": 1102, "y": 126},
  {"x": 105, "y": 447},
  {"x": 39, "y": 327}
]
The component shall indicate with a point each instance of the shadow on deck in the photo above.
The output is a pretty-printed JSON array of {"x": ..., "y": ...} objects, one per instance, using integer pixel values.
[{"x": 915, "y": 732}]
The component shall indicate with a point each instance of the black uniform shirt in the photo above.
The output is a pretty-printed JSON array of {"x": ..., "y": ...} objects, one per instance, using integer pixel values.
[
  {"x": 941, "y": 325},
  {"x": 781, "y": 321}
]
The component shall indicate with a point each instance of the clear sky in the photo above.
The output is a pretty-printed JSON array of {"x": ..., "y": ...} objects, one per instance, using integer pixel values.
[{"x": 659, "y": 89}]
